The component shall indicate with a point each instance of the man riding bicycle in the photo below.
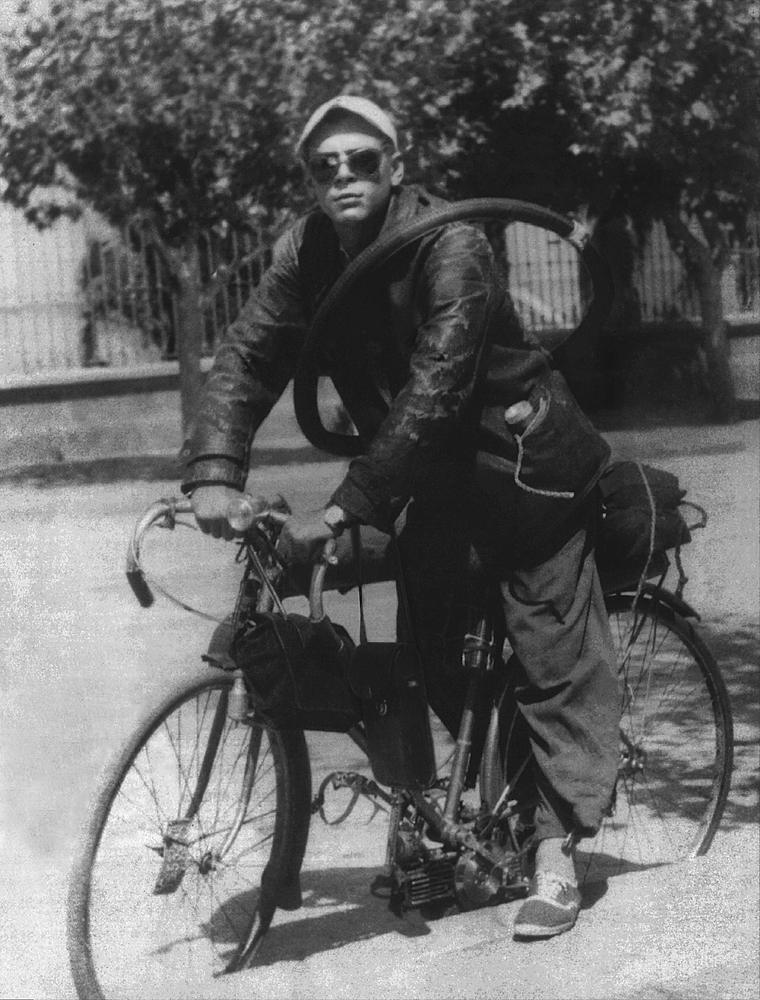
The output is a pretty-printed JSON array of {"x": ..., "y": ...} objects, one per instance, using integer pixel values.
[{"x": 472, "y": 436}]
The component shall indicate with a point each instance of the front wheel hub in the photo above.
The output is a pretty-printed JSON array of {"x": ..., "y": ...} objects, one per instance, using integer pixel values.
[
  {"x": 633, "y": 760},
  {"x": 208, "y": 863}
]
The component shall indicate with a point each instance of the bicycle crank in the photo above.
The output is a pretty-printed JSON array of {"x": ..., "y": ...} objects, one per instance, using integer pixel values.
[{"x": 478, "y": 882}]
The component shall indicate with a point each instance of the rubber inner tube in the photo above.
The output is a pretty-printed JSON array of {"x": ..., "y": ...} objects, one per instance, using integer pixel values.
[{"x": 305, "y": 385}]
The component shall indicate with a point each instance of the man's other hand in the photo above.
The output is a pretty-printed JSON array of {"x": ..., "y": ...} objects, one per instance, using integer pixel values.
[
  {"x": 303, "y": 537},
  {"x": 210, "y": 505}
]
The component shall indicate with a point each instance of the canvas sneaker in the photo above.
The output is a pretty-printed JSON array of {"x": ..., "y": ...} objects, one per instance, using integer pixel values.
[{"x": 551, "y": 907}]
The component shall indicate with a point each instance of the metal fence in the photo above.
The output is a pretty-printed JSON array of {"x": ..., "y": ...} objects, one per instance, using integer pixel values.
[
  {"x": 664, "y": 290},
  {"x": 81, "y": 295},
  {"x": 666, "y": 293},
  {"x": 544, "y": 278},
  {"x": 130, "y": 297}
]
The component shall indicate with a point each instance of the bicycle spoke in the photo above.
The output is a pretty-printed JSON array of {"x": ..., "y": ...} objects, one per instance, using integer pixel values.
[
  {"x": 181, "y": 908},
  {"x": 675, "y": 759}
]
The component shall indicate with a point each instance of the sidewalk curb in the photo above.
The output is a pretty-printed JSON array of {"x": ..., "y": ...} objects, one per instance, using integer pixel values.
[
  {"x": 151, "y": 468},
  {"x": 643, "y": 443}
]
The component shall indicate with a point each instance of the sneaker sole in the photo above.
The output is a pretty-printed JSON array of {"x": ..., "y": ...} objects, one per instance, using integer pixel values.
[{"x": 538, "y": 931}]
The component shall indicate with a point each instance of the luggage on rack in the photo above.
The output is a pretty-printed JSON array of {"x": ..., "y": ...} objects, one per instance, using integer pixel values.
[{"x": 641, "y": 520}]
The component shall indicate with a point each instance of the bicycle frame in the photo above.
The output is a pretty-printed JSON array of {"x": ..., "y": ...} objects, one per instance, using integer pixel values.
[
  {"x": 479, "y": 845},
  {"x": 258, "y": 591}
]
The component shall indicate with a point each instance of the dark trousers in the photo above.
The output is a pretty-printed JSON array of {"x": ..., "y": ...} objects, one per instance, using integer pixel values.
[
  {"x": 566, "y": 686},
  {"x": 562, "y": 664}
]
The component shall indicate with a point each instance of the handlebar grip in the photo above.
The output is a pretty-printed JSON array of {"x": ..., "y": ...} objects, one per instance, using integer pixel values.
[{"x": 140, "y": 588}]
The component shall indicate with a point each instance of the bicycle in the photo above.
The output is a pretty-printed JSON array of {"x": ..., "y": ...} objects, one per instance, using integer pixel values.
[{"x": 199, "y": 826}]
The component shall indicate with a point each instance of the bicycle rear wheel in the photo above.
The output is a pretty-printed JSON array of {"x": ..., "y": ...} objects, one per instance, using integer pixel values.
[
  {"x": 676, "y": 752},
  {"x": 676, "y": 747},
  {"x": 196, "y": 835}
]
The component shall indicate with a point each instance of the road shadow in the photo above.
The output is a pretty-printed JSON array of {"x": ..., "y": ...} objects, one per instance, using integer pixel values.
[
  {"x": 735, "y": 643},
  {"x": 340, "y": 909}
]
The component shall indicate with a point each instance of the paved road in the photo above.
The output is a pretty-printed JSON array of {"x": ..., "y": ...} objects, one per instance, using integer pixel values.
[{"x": 80, "y": 659}]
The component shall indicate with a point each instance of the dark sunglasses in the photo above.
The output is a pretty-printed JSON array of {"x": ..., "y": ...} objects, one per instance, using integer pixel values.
[{"x": 362, "y": 163}]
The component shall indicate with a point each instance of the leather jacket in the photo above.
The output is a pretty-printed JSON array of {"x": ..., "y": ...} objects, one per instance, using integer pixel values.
[{"x": 427, "y": 354}]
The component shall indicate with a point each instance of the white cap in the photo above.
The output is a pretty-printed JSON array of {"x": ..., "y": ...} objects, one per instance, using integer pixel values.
[{"x": 359, "y": 106}]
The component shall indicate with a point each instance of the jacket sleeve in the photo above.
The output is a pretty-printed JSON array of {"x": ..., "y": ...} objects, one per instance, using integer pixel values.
[
  {"x": 454, "y": 296},
  {"x": 252, "y": 367}
]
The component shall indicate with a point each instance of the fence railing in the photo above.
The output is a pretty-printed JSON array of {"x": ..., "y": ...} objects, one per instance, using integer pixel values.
[
  {"x": 130, "y": 298},
  {"x": 80, "y": 295}
]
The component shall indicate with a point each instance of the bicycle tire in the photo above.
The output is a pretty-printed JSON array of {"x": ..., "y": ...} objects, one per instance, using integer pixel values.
[
  {"x": 241, "y": 794},
  {"x": 305, "y": 396},
  {"x": 676, "y": 755}
]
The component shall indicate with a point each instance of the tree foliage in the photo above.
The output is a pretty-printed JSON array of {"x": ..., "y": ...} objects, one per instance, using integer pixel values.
[
  {"x": 185, "y": 112},
  {"x": 662, "y": 97},
  {"x": 188, "y": 109},
  {"x": 173, "y": 108}
]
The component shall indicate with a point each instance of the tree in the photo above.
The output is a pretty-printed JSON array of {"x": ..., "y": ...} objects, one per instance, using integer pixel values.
[
  {"x": 185, "y": 112},
  {"x": 614, "y": 110},
  {"x": 661, "y": 100},
  {"x": 170, "y": 111}
]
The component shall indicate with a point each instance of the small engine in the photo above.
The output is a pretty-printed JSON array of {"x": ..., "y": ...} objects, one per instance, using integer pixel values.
[
  {"x": 432, "y": 881},
  {"x": 423, "y": 876}
]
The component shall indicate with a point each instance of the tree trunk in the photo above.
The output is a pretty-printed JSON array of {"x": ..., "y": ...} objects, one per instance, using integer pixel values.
[
  {"x": 702, "y": 264},
  {"x": 614, "y": 240},
  {"x": 189, "y": 331}
]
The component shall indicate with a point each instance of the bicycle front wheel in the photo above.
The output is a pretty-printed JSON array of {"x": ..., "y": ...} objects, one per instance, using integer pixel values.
[
  {"x": 197, "y": 833},
  {"x": 676, "y": 743}
]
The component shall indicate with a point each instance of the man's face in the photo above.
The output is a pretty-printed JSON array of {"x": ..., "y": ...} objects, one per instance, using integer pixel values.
[{"x": 352, "y": 171}]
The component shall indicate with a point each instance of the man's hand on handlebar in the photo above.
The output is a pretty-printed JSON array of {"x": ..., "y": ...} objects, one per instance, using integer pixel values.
[
  {"x": 210, "y": 505},
  {"x": 303, "y": 537}
]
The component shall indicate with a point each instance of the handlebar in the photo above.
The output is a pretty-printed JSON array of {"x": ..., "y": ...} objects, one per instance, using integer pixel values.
[
  {"x": 161, "y": 510},
  {"x": 166, "y": 511}
]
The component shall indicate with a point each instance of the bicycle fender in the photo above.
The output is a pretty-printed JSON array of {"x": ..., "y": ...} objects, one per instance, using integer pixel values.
[
  {"x": 218, "y": 652},
  {"x": 671, "y": 601}
]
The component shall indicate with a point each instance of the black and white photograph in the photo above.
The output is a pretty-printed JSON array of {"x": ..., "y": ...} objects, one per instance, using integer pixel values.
[{"x": 380, "y": 499}]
